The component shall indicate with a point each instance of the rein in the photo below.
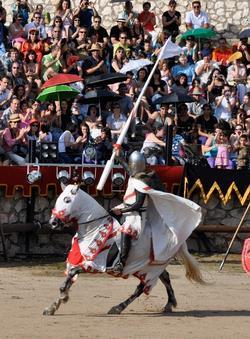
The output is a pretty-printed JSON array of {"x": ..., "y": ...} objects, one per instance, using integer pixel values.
[{"x": 88, "y": 222}]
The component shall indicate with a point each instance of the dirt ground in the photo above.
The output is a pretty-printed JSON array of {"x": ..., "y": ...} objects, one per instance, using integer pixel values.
[{"x": 218, "y": 310}]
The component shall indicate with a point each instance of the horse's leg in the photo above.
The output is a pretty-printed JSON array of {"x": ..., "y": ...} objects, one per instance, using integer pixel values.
[
  {"x": 121, "y": 307},
  {"x": 165, "y": 279},
  {"x": 64, "y": 292}
]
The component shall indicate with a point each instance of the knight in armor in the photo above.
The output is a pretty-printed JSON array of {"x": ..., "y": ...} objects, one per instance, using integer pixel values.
[{"x": 135, "y": 201}]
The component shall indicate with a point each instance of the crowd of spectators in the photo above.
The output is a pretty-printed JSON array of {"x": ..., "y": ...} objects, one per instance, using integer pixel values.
[{"x": 35, "y": 47}]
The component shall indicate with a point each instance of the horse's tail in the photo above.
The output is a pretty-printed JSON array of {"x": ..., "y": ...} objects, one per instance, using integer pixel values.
[{"x": 193, "y": 272}]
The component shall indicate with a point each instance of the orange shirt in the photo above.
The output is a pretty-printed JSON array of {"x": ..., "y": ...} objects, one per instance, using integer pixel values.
[{"x": 219, "y": 55}]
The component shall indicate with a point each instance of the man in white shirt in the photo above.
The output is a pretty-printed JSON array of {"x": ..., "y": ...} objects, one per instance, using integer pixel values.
[
  {"x": 204, "y": 67},
  {"x": 196, "y": 18}
]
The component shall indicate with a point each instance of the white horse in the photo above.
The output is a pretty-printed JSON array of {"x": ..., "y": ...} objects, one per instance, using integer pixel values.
[{"x": 96, "y": 244}]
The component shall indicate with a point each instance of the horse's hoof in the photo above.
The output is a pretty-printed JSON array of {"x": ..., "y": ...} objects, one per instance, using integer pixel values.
[
  {"x": 115, "y": 310},
  {"x": 49, "y": 311}
]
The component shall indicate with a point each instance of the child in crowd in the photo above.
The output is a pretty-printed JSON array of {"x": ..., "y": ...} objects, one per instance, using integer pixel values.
[{"x": 222, "y": 158}]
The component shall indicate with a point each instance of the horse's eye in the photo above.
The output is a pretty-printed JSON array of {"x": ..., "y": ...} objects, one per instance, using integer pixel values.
[{"x": 67, "y": 200}]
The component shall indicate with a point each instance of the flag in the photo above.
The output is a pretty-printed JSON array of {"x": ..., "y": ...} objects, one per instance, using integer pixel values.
[{"x": 169, "y": 50}]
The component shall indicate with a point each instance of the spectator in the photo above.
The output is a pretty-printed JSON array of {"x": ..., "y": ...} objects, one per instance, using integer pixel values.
[
  {"x": 195, "y": 108},
  {"x": 128, "y": 14},
  {"x": 221, "y": 55},
  {"x": 215, "y": 84},
  {"x": 171, "y": 20},
  {"x": 180, "y": 85},
  {"x": 119, "y": 60},
  {"x": 51, "y": 63},
  {"x": 74, "y": 28},
  {"x": 16, "y": 29},
  {"x": 81, "y": 43},
  {"x": 31, "y": 68},
  {"x": 184, "y": 68},
  {"x": 33, "y": 43},
  {"x": 153, "y": 147},
  {"x": 93, "y": 117},
  {"x": 125, "y": 102},
  {"x": 85, "y": 11},
  {"x": 57, "y": 25},
  {"x": 196, "y": 18},
  {"x": 224, "y": 104},
  {"x": 161, "y": 118},
  {"x": 15, "y": 141},
  {"x": 148, "y": 21},
  {"x": 14, "y": 108},
  {"x": 243, "y": 152},
  {"x": 191, "y": 49},
  {"x": 116, "y": 121},
  {"x": 104, "y": 146},
  {"x": 116, "y": 30},
  {"x": 23, "y": 8},
  {"x": 204, "y": 67},
  {"x": 157, "y": 87},
  {"x": 36, "y": 24},
  {"x": 137, "y": 34},
  {"x": 16, "y": 76},
  {"x": 206, "y": 123},
  {"x": 99, "y": 31},
  {"x": 94, "y": 64},
  {"x": 185, "y": 124},
  {"x": 12, "y": 56},
  {"x": 222, "y": 157},
  {"x": 124, "y": 43},
  {"x": 5, "y": 93},
  {"x": 64, "y": 11}
]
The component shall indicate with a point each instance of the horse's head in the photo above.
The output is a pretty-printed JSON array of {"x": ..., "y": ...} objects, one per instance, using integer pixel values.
[{"x": 65, "y": 210}]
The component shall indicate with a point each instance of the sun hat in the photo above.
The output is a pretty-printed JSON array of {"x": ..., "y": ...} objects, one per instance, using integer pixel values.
[
  {"x": 121, "y": 18},
  {"x": 95, "y": 47},
  {"x": 33, "y": 121},
  {"x": 14, "y": 118}
]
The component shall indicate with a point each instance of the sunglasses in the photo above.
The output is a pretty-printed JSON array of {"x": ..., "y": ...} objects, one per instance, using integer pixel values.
[
  {"x": 37, "y": 17},
  {"x": 196, "y": 6},
  {"x": 34, "y": 33},
  {"x": 34, "y": 125},
  {"x": 123, "y": 37},
  {"x": 82, "y": 31},
  {"x": 97, "y": 21}
]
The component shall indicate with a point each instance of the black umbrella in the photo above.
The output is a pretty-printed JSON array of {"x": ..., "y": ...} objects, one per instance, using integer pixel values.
[
  {"x": 99, "y": 96},
  {"x": 245, "y": 34},
  {"x": 174, "y": 98},
  {"x": 105, "y": 79}
]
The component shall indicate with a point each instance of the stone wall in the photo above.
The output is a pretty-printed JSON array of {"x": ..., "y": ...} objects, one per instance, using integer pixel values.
[
  {"x": 14, "y": 210},
  {"x": 228, "y": 16}
]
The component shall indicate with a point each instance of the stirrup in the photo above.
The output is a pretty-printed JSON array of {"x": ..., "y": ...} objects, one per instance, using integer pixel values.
[{"x": 118, "y": 268}]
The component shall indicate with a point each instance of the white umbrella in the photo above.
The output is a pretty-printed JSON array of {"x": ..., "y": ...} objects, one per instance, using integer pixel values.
[{"x": 134, "y": 65}]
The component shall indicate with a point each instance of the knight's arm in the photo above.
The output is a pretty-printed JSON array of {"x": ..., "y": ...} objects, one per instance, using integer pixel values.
[
  {"x": 140, "y": 198},
  {"x": 124, "y": 164}
]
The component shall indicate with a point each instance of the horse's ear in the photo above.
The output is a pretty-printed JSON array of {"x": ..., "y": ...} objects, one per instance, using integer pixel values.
[{"x": 75, "y": 189}]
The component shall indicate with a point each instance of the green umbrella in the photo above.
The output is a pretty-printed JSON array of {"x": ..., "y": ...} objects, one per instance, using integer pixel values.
[
  {"x": 199, "y": 33},
  {"x": 57, "y": 93}
]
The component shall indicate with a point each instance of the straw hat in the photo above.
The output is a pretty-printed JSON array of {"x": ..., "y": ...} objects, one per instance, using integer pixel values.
[
  {"x": 14, "y": 118},
  {"x": 95, "y": 47}
]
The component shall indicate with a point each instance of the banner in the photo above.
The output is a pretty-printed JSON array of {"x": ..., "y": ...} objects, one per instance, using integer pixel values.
[{"x": 209, "y": 181}]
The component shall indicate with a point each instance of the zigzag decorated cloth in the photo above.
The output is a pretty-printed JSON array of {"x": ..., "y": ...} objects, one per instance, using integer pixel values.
[{"x": 210, "y": 181}]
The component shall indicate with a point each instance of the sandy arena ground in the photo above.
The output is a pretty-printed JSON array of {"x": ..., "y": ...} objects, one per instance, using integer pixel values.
[{"x": 219, "y": 310}]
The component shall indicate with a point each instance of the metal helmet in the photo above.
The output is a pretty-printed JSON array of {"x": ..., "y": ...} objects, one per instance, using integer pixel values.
[{"x": 136, "y": 163}]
